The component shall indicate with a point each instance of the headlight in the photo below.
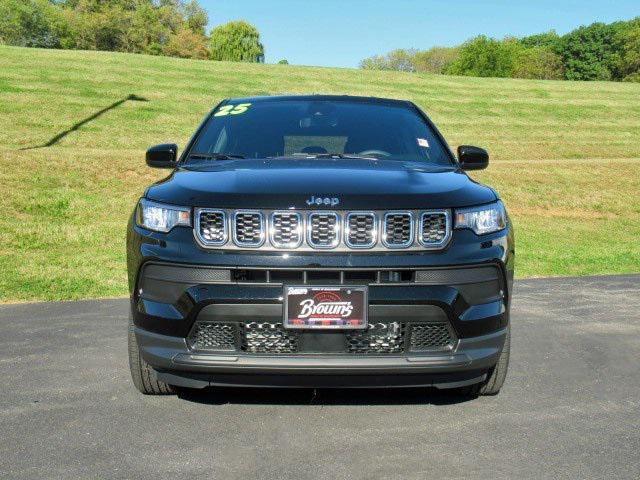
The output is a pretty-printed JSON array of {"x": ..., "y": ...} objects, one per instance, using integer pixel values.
[
  {"x": 160, "y": 217},
  {"x": 484, "y": 219}
]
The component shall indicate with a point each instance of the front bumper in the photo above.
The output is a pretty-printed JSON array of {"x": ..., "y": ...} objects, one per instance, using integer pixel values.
[
  {"x": 176, "y": 364},
  {"x": 174, "y": 284}
]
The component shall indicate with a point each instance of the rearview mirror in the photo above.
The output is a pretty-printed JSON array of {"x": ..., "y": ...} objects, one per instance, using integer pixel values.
[
  {"x": 162, "y": 156},
  {"x": 472, "y": 158}
]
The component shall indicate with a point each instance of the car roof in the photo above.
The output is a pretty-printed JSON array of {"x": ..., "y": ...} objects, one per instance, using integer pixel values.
[{"x": 319, "y": 97}]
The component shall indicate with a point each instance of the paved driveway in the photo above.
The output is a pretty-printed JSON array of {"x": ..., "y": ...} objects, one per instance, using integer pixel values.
[{"x": 570, "y": 408}]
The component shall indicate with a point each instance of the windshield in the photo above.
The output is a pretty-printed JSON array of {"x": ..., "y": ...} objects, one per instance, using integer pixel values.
[{"x": 316, "y": 128}]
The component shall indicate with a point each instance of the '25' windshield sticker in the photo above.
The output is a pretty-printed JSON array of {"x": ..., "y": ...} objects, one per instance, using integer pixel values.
[{"x": 232, "y": 109}]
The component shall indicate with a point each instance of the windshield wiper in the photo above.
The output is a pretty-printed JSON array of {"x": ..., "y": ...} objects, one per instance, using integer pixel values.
[
  {"x": 340, "y": 155},
  {"x": 214, "y": 156}
]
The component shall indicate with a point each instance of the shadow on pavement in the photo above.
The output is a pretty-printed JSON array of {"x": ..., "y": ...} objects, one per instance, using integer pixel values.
[{"x": 324, "y": 396}]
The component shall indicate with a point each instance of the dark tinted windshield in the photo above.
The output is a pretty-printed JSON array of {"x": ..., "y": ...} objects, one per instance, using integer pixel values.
[{"x": 308, "y": 128}]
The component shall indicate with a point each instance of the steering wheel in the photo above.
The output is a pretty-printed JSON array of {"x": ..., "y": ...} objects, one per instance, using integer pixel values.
[{"x": 382, "y": 153}]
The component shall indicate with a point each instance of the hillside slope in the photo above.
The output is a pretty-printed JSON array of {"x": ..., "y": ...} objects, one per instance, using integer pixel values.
[{"x": 74, "y": 127}]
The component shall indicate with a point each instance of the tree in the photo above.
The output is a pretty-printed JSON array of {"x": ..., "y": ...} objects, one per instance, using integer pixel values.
[
  {"x": 376, "y": 62},
  {"x": 486, "y": 57},
  {"x": 548, "y": 39},
  {"x": 236, "y": 42},
  {"x": 284, "y": 61},
  {"x": 435, "y": 60},
  {"x": 399, "y": 59},
  {"x": 592, "y": 52},
  {"x": 31, "y": 23},
  {"x": 186, "y": 44},
  {"x": 538, "y": 62},
  {"x": 630, "y": 41},
  {"x": 196, "y": 17},
  {"x": 140, "y": 26}
]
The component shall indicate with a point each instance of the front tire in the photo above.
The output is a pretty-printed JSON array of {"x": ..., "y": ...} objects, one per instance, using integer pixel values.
[
  {"x": 496, "y": 376},
  {"x": 141, "y": 373}
]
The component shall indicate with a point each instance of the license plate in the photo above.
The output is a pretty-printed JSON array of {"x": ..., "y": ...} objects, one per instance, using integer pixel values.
[{"x": 334, "y": 308}]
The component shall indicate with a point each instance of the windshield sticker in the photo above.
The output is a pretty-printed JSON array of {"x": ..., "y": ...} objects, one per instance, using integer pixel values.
[
  {"x": 232, "y": 109},
  {"x": 423, "y": 142}
]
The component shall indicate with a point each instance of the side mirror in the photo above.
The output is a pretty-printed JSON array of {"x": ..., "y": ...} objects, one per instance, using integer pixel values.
[
  {"x": 162, "y": 156},
  {"x": 472, "y": 158}
]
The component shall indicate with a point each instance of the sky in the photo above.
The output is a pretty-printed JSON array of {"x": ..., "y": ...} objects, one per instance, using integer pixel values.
[{"x": 337, "y": 33}]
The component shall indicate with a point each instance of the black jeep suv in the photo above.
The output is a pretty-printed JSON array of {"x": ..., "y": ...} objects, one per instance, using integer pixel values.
[{"x": 319, "y": 241}]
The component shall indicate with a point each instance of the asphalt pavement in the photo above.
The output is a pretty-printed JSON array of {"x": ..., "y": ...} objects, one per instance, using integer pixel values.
[{"x": 570, "y": 407}]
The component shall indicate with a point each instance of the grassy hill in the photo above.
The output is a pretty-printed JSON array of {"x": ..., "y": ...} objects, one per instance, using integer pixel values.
[{"x": 74, "y": 127}]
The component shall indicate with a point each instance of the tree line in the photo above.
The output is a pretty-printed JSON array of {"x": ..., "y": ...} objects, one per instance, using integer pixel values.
[
  {"x": 174, "y": 28},
  {"x": 595, "y": 52}
]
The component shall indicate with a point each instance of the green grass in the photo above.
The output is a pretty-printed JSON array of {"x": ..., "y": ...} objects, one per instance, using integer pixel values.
[{"x": 565, "y": 157}]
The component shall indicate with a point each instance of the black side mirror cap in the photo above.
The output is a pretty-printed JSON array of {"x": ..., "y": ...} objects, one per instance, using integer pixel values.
[
  {"x": 163, "y": 156},
  {"x": 472, "y": 158}
]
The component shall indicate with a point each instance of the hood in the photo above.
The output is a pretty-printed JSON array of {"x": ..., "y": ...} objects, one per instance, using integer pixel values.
[{"x": 297, "y": 183}]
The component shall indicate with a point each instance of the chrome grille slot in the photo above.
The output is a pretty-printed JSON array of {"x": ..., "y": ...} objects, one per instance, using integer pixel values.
[
  {"x": 323, "y": 230},
  {"x": 434, "y": 228},
  {"x": 211, "y": 226},
  {"x": 398, "y": 229},
  {"x": 286, "y": 229},
  {"x": 248, "y": 229},
  {"x": 361, "y": 230}
]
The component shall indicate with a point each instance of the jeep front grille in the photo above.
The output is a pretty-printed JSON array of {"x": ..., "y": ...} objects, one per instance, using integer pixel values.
[{"x": 322, "y": 230}]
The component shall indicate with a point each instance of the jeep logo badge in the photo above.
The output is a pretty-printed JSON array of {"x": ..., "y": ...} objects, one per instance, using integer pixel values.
[{"x": 330, "y": 201}]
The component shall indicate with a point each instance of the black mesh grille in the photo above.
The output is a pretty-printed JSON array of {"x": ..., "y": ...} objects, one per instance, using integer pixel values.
[
  {"x": 434, "y": 228},
  {"x": 377, "y": 338},
  {"x": 398, "y": 229},
  {"x": 263, "y": 337},
  {"x": 212, "y": 227},
  {"x": 273, "y": 338},
  {"x": 362, "y": 230},
  {"x": 286, "y": 229},
  {"x": 431, "y": 336},
  {"x": 213, "y": 336},
  {"x": 249, "y": 229},
  {"x": 324, "y": 230}
]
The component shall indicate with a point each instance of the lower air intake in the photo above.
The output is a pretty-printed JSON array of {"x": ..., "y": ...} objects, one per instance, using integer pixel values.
[
  {"x": 431, "y": 336},
  {"x": 390, "y": 338},
  {"x": 377, "y": 338},
  {"x": 268, "y": 338},
  {"x": 213, "y": 336}
]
